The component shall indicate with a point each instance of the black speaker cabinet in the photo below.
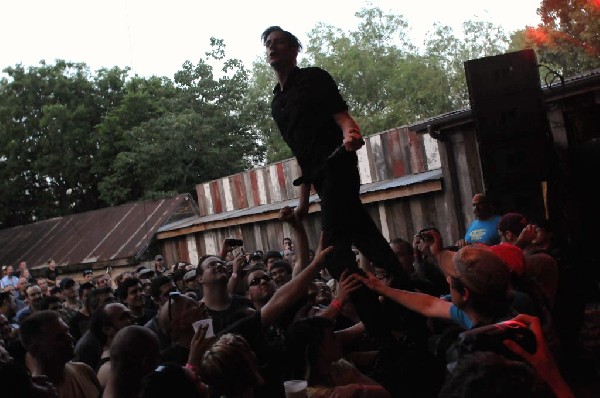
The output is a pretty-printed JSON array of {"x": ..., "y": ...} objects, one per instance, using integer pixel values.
[{"x": 510, "y": 120}]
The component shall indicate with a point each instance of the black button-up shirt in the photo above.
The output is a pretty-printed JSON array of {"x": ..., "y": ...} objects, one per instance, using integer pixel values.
[{"x": 304, "y": 113}]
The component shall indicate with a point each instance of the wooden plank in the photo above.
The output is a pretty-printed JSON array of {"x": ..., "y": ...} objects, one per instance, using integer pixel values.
[
  {"x": 394, "y": 154},
  {"x": 227, "y": 194},
  {"x": 239, "y": 191},
  {"x": 202, "y": 206},
  {"x": 416, "y": 151},
  {"x": 215, "y": 194},
  {"x": 379, "y": 164}
]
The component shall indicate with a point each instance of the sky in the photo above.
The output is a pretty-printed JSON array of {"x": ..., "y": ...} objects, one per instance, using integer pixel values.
[{"x": 157, "y": 37}]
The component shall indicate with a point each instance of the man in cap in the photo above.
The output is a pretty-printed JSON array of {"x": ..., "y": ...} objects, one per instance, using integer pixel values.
[
  {"x": 478, "y": 280},
  {"x": 514, "y": 228}
]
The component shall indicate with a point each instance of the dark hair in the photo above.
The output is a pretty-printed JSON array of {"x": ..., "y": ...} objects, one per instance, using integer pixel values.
[
  {"x": 302, "y": 343},
  {"x": 93, "y": 299},
  {"x": 178, "y": 275},
  {"x": 19, "y": 379},
  {"x": 272, "y": 254},
  {"x": 160, "y": 383},
  {"x": 67, "y": 283},
  {"x": 4, "y": 297},
  {"x": 293, "y": 39},
  {"x": 47, "y": 300},
  {"x": 156, "y": 283},
  {"x": 84, "y": 286},
  {"x": 124, "y": 287},
  {"x": 487, "y": 374},
  {"x": 281, "y": 264},
  {"x": 98, "y": 320},
  {"x": 31, "y": 328}
]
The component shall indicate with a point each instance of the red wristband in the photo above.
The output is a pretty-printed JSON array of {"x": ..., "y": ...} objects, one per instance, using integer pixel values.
[
  {"x": 191, "y": 367},
  {"x": 335, "y": 303}
]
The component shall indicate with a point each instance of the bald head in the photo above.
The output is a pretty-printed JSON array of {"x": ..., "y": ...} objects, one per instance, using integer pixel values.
[{"x": 134, "y": 354}]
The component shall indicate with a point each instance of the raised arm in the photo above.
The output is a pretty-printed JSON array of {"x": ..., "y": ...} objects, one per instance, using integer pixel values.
[
  {"x": 542, "y": 360},
  {"x": 301, "y": 246},
  {"x": 421, "y": 303},
  {"x": 292, "y": 291}
]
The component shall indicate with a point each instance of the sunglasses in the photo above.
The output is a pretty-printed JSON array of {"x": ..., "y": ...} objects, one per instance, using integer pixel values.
[
  {"x": 172, "y": 296},
  {"x": 259, "y": 279}
]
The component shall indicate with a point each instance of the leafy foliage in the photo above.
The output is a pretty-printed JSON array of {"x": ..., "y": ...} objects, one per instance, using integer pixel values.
[
  {"x": 568, "y": 38},
  {"x": 72, "y": 140}
]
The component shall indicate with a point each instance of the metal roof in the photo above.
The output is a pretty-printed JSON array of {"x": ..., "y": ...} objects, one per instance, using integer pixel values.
[
  {"x": 571, "y": 83},
  {"x": 103, "y": 235},
  {"x": 267, "y": 208}
]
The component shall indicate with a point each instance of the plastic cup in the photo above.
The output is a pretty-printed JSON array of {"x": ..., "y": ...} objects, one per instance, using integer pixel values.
[{"x": 295, "y": 388}]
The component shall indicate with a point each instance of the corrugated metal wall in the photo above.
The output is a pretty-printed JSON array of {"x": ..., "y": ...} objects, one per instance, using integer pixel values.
[{"x": 386, "y": 156}]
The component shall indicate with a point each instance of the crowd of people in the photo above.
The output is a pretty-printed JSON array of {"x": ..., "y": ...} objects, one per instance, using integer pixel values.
[
  {"x": 277, "y": 315},
  {"x": 357, "y": 316}
]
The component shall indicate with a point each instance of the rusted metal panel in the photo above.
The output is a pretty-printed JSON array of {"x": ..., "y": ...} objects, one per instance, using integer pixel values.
[
  {"x": 394, "y": 154},
  {"x": 202, "y": 205},
  {"x": 254, "y": 187},
  {"x": 215, "y": 194},
  {"x": 416, "y": 151},
  {"x": 93, "y": 238},
  {"x": 239, "y": 191},
  {"x": 227, "y": 195},
  {"x": 263, "y": 183}
]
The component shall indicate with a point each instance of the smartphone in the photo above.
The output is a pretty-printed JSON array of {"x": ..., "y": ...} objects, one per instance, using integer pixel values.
[
  {"x": 234, "y": 242},
  {"x": 238, "y": 251}
]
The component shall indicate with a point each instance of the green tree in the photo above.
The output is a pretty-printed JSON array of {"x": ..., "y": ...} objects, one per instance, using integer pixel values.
[
  {"x": 449, "y": 52},
  {"x": 258, "y": 108},
  {"x": 385, "y": 82},
  {"x": 47, "y": 117},
  {"x": 183, "y": 133}
]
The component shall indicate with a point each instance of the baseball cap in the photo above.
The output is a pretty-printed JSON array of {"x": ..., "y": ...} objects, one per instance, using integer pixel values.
[
  {"x": 145, "y": 273},
  {"x": 512, "y": 222},
  {"x": 88, "y": 272},
  {"x": 511, "y": 255},
  {"x": 189, "y": 275},
  {"x": 158, "y": 257},
  {"x": 478, "y": 267}
]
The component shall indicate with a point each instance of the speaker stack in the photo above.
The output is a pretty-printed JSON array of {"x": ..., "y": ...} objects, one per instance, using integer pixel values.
[{"x": 511, "y": 126}]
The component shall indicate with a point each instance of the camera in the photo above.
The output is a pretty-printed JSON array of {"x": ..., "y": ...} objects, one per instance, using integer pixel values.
[{"x": 490, "y": 338}]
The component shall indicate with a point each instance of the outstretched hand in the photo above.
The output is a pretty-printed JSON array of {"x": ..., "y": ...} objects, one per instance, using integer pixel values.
[
  {"x": 321, "y": 257},
  {"x": 369, "y": 281},
  {"x": 346, "y": 286},
  {"x": 542, "y": 360}
]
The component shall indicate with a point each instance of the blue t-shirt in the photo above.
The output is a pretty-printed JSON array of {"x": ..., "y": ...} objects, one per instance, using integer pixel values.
[
  {"x": 483, "y": 231},
  {"x": 460, "y": 317}
]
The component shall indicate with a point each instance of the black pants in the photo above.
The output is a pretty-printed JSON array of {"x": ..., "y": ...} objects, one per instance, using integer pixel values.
[{"x": 345, "y": 221}]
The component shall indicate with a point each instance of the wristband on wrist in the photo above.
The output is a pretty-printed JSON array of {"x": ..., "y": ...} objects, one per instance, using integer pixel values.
[
  {"x": 191, "y": 367},
  {"x": 335, "y": 303}
]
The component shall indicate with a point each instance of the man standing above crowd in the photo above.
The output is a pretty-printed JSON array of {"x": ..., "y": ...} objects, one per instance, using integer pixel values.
[{"x": 313, "y": 119}]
